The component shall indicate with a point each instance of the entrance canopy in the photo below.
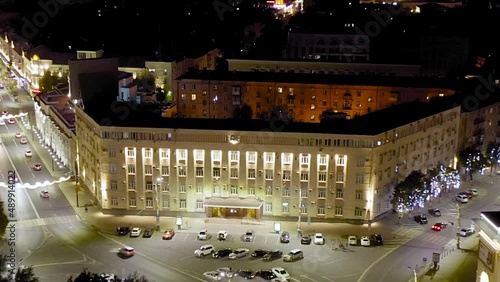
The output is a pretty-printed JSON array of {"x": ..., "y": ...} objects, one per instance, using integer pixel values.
[{"x": 235, "y": 203}]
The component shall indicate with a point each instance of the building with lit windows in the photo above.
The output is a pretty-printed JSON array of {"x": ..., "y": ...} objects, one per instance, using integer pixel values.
[
  {"x": 135, "y": 161},
  {"x": 488, "y": 265},
  {"x": 304, "y": 96}
]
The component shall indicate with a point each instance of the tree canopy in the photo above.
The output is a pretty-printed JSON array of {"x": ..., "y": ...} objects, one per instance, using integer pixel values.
[
  {"x": 87, "y": 276},
  {"x": 410, "y": 192},
  {"x": 4, "y": 220}
]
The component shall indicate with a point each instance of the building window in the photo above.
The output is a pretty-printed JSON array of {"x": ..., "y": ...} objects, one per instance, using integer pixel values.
[
  {"x": 251, "y": 173},
  {"x": 165, "y": 187},
  {"x": 182, "y": 204},
  {"x": 360, "y": 178},
  {"x": 234, "y": 190},
  {"x": 182, "y": 171},
  {"x": 112, "y": 168},
  {"x": 286, "y": 191},
  {"x": 148, "y": 170},
  {"x": 164, "y": 154},
  {"x": 199, "y": 205},
  {"x": 131, "y": 169},
  {"x": 234, "y": 173},
  {"x": 304, "y": 159},
  {"x": 199, "y": 171},
  {"x": 269, "y": 174},
  {"x": 322, "y": 176},
  {"x": 287, "y": 175},
  {"x": 251, "y": 191},
  {"x": 112, "y": 153},
  {"x": 234, "y": 156},
  {"x": 132, "y": 202},
  {"x": 361, "y": 162},
  {"x": 321, "y": 193},
  {"x": 323, "y": 160},
  {"x": 182, "y": 188},
  {"x": 166, "y": 204},
  {"x": 193, "y": 97},
  {"x": 359, "y": 195},
  {"x": 131, "y": 153},
  {"x": 358, "y": 212},
  {"x": 340, "y": 160},
  {"x": 339, "y": 211},
  {"x": 216, "y": 156},
  {"x": 304, "y": 176},
  {"x": 216, "y": 172},
  {"x": 269, "y": 191},
  {"x": 149, "y": 186},
  {"x": 131, "y": 185},
  {"x": 114, "y": 201},
  {"x": 149, "y": 202},
  {"x": 165, "y": 170},
  {"x": 321, "y": 210},
  {"x": 198, "y": 155},
  {"x": 340, "y": 177},
  {"x": 303, "y": 209},
  {"x": 114, "y": 185},
  {"x": 199, "y": 189},
  {"x": 268, "y": 207},
  {"x": 339, "y": 194},
  {"x": 269, "y": 157},
  {"x": 216, "y": 189},
  {"x": 285, "y": 208},
  {"x": 287, "y": 158},
  {"x": 252, "y": 157},
  {"x": 148, "y": 153}
]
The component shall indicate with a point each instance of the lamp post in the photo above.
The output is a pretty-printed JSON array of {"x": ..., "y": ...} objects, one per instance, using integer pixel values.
[
  {"x": 299, "y": 220},
  {"x": 415, "y": 278},
  {"x": 458, "y": 226},
  {"x": 158, "y": 183}
]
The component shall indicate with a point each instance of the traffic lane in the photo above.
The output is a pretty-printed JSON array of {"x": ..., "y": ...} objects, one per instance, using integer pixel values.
[
  {"x": 24, "y": 242},
  {"x": 320, "y": 260}
]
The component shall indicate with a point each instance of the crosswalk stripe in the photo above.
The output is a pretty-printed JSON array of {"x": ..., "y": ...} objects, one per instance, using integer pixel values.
[{"x": 47, "y": 221}]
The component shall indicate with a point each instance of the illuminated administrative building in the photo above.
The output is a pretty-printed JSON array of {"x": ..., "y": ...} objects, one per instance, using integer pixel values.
[{"x": 254, "y": 168}]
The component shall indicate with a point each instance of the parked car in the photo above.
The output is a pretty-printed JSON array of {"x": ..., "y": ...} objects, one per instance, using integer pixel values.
[
  {"x": 462, "y": 198},
  {"x": 352, "y": 240},
  {"x": 421, "y": 218},
  {"x": 239, "y": 253},
  {"x": 45, "y": 194},
  {"x": 305, "y": 239},
  {"x": 245, "y": 273},
  {"x": 272, "y": 255},
  {"x": 225, "y": 271},
  {"x": 259, "y": 253},
  {"x": 123, "y": 230},
  {"x": 148, "y": 233},
  {"x": 222, "y": 235},
  {"x": 265, "y": 274},
  {"x": 280, "y": 272},
  {"x": 212, "y": 275},
  {"x": 466, "y": 232},
  {"x": 319, "y": 239},
  {"x": 249, "y": 236},
  {"x": 467, "y": 194},
  {"x": 285, "y": 237},
  {"x": 203, "y": 234},
  {"x": 126, "y": 251},
  {"x": 204, "y": 250},
  {"x": 439, "y": 226},
  {"x": 473, "y": 191},
  {"x": 365, "y": 241},
  {"x": 294, "y": 254},
  {"x": 434, "y": 212},
  {"x": 222, "y": 253},
  {"x": 168, "y": 234},
  {"x": 135, "y": 232},
  {"x": 377, "y": 239}
]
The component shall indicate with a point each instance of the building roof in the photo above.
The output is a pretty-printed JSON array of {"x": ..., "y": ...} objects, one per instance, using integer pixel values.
[
  {"x": 44, "y": 53},
  {"x": 327, "y": 79},
  {"x": 493, "y": 217},
  {"x": 371, "y": 124}
]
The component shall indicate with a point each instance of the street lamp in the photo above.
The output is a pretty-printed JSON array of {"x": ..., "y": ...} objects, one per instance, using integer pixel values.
[
  {"x": 299, "y": 220},
  {"x": 158, "y": 183},
  {"x": 414, "y": 273}
]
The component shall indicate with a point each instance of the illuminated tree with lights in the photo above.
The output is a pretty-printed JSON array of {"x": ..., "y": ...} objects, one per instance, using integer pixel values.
[
  {"x": 493, "y": 155},
  {"x": 410, "y": 193},
  {"x": 442, "y": 179},
  {"x": 472, "y": 160}
]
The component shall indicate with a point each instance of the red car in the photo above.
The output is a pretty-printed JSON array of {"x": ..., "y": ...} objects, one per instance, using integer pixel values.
[
  {"x": 11, "y": 121},
  {"x": 439, "y": 226},
  {"x": 37, "y": 167},
  {"x": 45, "y": 194}
]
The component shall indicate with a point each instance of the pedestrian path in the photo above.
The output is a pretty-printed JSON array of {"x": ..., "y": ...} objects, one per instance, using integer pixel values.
[
  {"x": 47, "y": 221},
  {"x": 409, "y": 231}
]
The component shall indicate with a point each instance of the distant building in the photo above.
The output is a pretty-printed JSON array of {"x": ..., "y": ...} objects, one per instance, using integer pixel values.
[{"x": 488, "y": 261}]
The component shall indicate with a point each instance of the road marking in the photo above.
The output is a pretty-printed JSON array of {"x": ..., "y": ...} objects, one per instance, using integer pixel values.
[
  {"x": 293, "y": 279},
  {"x": 265, "y": 241},
  {"x": 333, "y": 261},
  {"x": 305, "y": 277},
  {"x": 185, "y": 237},
  {"x": 328, "y": 279}
]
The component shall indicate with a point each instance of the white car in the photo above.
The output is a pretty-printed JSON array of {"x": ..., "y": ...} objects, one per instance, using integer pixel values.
[
  {"x": 204, "y": 250},
  {"x": 28, "y": 153},
  {"x": 466, "y": 232},
  {"x": 2, "y": 122},
  {"x": 213, "y": 275},
  {"x": 23, "y": 141},
  {"x": 108, "y": 277},
  {"x": 352, "y": 240},
  {"x": 319, "y": 239},
  {"x": 136, "y": 232},
  {"x": 18, "y": 135},
  {"x": 203, "y": 234},
  {"x": 222, "y": 235},
  {"x": 365, "y": 241},
  {"x": 280, "y": 272},
  {"x": 225, "y": 272},
  {"x": 239, "y": 253}
]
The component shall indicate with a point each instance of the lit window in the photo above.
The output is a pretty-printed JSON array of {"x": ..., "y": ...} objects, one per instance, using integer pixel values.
[{"x": 193, "y": 97}]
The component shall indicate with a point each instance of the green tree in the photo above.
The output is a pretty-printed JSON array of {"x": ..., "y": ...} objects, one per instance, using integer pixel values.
[
  {"x": 135, "y": 277},
  {"x": 46, "y": 82},
  {"x": 26, "y": 274},
  {"x": 4, "y": 220},
  {"x": 160, "y": 95},
  {"x": 410, "y": 193},
  {"x": 147, "y": 81},
  {"x": 472, "y": 160},
  {"x": 493, "y": 154}
]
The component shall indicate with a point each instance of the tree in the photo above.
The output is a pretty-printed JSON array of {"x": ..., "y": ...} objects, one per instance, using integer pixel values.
[
  {"x": 46, "y": 83},
  {"x": 244, "y": 111},
  {"x": 4, "y": 220},
  {"x": 135, "y": 277},
  {"x": 147, "y": 81},
  {"x": 472, "y": 160},
  {"x": 26, "y": 274},
  {"x": 493, "y": 154},
  {"x": 410, "y": 192},
  {"x": 87, "y": 276},
  {"x": 160, "y": 95}
]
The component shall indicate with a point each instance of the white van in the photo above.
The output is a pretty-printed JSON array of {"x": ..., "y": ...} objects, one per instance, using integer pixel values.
[{"x": 462, "y": 199}]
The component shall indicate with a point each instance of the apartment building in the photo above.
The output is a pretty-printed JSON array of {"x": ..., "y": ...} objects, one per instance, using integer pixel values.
[
  {"x": 336, "y": 172},
  {"x": 488, "y": 262},
  {"x": 304, "y": 96}
]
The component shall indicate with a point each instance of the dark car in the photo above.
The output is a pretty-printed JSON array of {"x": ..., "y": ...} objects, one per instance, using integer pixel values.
[
  {"x": 272, "y": 255},
  {"x": 122, "y": 231},
  {"x": 421, "y": 218},
  {"x": 305, "y": 239},
  {"x": 377, "y": 239},
  {"x": 148, "y": 232},
  {"x": 434, "y": 212},
  {"x": 222, "y": 253},
  {"x": 265, "y": 274},
  {"x": 245, "y": 273},
  {"x": 285, "y": 237},
  {"x": 259, "y": 253}
]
